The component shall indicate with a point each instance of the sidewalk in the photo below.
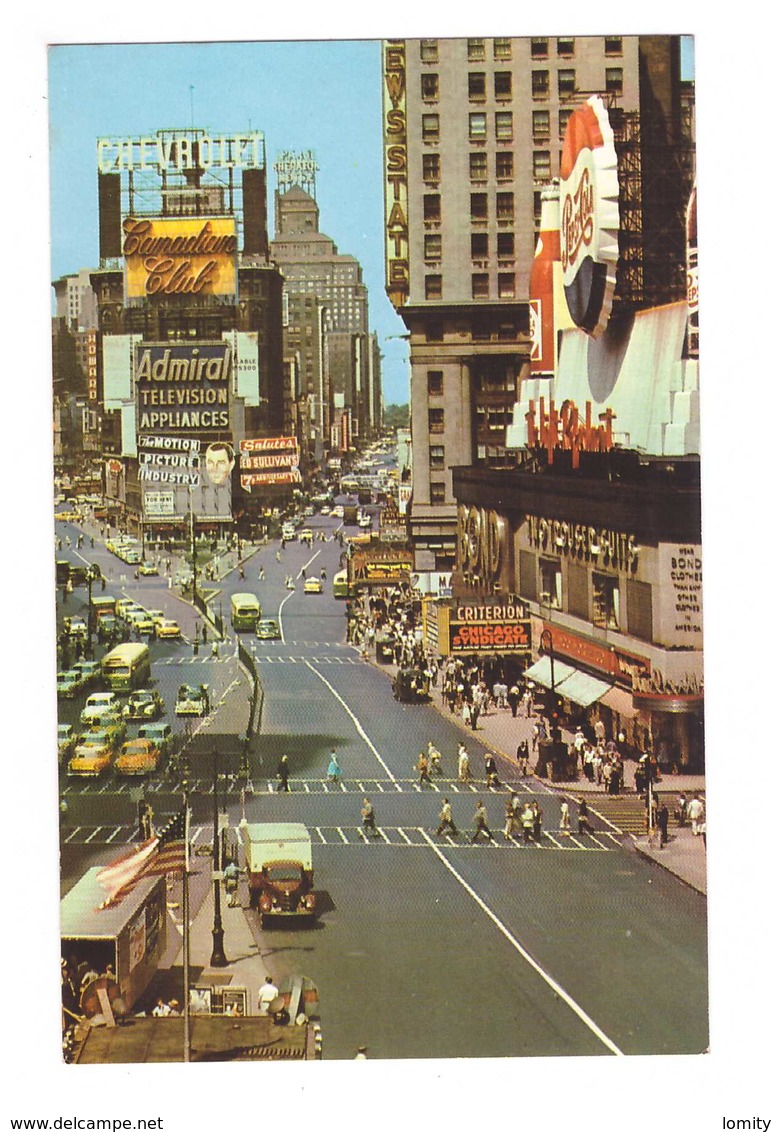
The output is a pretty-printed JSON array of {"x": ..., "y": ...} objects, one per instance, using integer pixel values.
[{"x": 684, "y": 855}]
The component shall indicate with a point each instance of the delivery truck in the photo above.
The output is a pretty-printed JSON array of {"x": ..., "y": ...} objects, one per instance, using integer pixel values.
[{"x": 278, "y": 860}]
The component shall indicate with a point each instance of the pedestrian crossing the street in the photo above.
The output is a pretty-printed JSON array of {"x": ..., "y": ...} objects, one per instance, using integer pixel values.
[
  {"x": 233, "y": 784},
  {"x": 399, "y": 837}
]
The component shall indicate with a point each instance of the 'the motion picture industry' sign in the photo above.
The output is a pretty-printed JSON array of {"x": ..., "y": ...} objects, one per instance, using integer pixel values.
[
  {"x": 183, "y": 388},
  {"x": 175, "y": 257}
]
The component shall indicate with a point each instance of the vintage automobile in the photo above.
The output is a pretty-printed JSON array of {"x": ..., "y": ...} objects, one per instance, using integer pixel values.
[
  {"x": 191, "y": 700},
  {"x": 167, "y": 628},
  {"x": 92, "y": 755},
  {"x": 140, "y": 620},
  {"x": 137, "y": 756},
  {"x": 161, "y": 734},
  {"x": 143, "y": 704},
  {"x": 98, "y": 705},
  {"x": 66, "y": 741},
  {"x": 89, "y": 671},
  {"x": 278, "y": 859},
  {"x": 410, "y": 686},
  {"x": 68, "y": 683},
  {"x": 313, "y": 586},
  {"x": 75, "y": 627},
  {"x": 267, "y": 630},
  {"x": 147, "y": 569}
]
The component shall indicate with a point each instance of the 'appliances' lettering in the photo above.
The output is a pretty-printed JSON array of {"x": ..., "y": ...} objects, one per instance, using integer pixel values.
[{"x": 577, "y": 220}]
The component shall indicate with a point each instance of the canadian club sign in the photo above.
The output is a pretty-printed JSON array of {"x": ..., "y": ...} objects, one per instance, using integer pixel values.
[{"x": 589, "y": 216}]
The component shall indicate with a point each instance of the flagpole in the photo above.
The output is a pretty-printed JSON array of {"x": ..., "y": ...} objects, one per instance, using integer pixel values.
[{"x": 186, "y": 924}]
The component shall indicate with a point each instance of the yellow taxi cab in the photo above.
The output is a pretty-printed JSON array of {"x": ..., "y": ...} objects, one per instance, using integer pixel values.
[
  {"x": 313, "y": 586},
  {"x": 137, "y": 756},
  {"x": 167, "y": 628},
  {"x": 92, "y": 755}
]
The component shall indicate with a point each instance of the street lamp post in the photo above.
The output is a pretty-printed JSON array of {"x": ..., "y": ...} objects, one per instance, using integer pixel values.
[
  {"x": 93, "y": 573},
  {"x": 218, "y": 951},
  {"x": 546, "y": 642}
]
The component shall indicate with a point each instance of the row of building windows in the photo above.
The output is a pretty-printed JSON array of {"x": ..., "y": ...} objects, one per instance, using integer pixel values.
[
  {"x": 478, "y": 126},
  {"x": 504, "y": 166},
  {"x": 504, "y": 243},
  {"x": 477, "y": 85},
  {"x": 481, "y": 286},
  {"x": 591, "y": 595},
  {"x": 567, "y": 82},
  {"x": 504, "y": 206},
  {"x": 540, "y": 48}
]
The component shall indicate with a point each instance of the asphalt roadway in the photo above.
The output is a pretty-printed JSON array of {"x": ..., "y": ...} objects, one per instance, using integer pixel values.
[{"x": 428, "y": 947}]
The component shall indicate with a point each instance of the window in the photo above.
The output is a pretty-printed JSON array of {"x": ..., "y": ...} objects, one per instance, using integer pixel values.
[
  {"x": 433, "y": 286},
  {"x": 436, "y": 456},
  {"x": 479, "y": 206},
  {"x": 537, "y": 205},
  {"x": 504, "y": 165},
  {"x": 564, "y": 117},
  {"x": 504, "y": 125},
  {"x": 503, "y": 84},
  {"x": 565, "y": 45},
  {"x": 431, "y": 166},
  {"x": 429, "y": 86},
  {"x": 481, "y": 327},
  {"x": 506, "y": 285},
  {"x": 540, "y": 125},
  {"x": 479, "y": 286},
  {"x": 604, "y": 599},
  {"x": 539, "y": 47},
  {"x": 639, "y": 610},
  {"x": 429, "y": 50},
  {"x": 430, "y": 127},
  {"x": 505, "y": 244},
  {"x": 503, "y": 49},
  {"x": 435, "y": 382},
  {"x": 432, "y": 206},
  {"x": 435, "y": 331},
  {"x": 540, "y": 84},
  {"x": 432, "y": 246},
  {"x": 550, "y": 584},
  {"x": 614, "y": 45},
  {"x": 614, "y": 80},
  {"x": 436, "y": 420},
  {"x": 477, "y": 126},
  {"x": 476, "y": 85},
  {"x": 479, "y": 245},
  {"x": 566, "y": 83},
  {"x": 541, "y": 164},
  {"x": 505, "y": 206},
  {"x": 475, "y": 50},
  {"x": 478, "y": 165},
  {"x": 436, "y": 492}
]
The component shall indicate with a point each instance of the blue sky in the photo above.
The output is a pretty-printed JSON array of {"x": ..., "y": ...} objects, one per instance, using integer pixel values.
[{"x": 323, "y": 96}]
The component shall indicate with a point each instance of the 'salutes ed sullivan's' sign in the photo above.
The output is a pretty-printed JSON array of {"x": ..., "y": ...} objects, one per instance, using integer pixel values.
[
  {"x": 196, "y": 256},
  {"x": 394, "y": 109},
  {"x": 589, "y": 217}
]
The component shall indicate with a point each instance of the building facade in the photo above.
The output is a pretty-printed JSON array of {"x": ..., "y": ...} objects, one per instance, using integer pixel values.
[{"x": 473, "y": 131}]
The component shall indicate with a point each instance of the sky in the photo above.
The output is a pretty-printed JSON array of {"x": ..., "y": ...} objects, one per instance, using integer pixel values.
[{"x": 323, "y": 96}]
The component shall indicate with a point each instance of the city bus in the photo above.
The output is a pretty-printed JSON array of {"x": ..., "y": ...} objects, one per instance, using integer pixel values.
[
  {"x": 341, "y": 585},
  {"x": 126, "y": 666},
  {"x": 245, "y": 612}
]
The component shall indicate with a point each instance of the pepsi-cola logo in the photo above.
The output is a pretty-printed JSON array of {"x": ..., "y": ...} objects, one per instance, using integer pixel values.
[{"x": 577, "y": 220}]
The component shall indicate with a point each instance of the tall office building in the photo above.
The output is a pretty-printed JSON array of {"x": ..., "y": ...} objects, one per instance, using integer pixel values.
[
  {"x": 473, "y": 132},
  {"x": 314, "y": 269}
]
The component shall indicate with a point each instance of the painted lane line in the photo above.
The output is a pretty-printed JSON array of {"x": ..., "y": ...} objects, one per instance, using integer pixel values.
[
  {"x": 319, "y": 832},
  {"x": 357, "y": 723},
  {"x": 555, "y": 987},
  {"x": 94, "y": 833},
  {"x": 72, "y": 835},
  {"x": 113, "y": 835},
  {"x": 341, "y": 834},
  {"x": 403, "y": 834}
]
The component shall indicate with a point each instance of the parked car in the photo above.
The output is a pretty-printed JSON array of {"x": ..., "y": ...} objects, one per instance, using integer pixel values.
[{"x": 143, "y": 704}]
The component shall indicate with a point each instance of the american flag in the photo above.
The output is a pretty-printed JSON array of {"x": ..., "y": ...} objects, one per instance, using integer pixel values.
[{"x": 164, "y": 853}]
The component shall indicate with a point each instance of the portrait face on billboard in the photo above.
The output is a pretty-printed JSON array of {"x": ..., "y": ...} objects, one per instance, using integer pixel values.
[{"x": 218, "y": 461}]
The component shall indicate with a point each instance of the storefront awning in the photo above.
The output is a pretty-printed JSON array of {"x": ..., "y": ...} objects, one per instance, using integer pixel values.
[
  {"x": 539, "y": 673},
  {"x": 620, "y": 702},
  {"x": 582, "y": 689}
]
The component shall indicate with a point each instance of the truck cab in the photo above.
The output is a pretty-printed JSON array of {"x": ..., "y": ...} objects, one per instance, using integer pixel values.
[{"x": 278, "y": 859}]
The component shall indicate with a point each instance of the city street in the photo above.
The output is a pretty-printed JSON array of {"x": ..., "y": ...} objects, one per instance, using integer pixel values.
[{"x": 424, "y": 946}]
